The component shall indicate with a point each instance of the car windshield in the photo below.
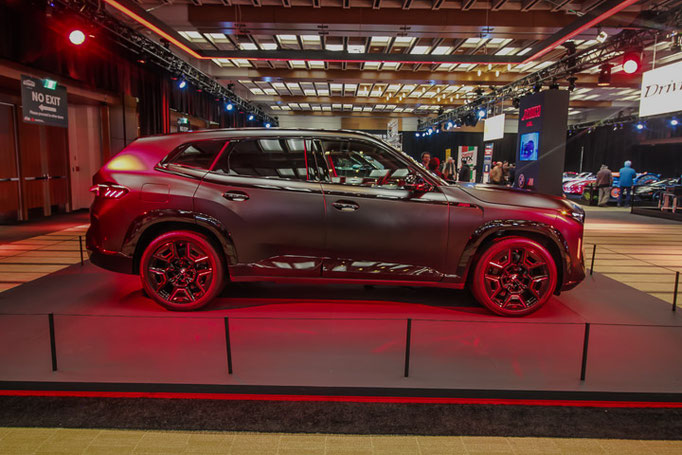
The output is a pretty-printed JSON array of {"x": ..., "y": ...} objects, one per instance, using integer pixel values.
[{"x": 438, "y": 179}]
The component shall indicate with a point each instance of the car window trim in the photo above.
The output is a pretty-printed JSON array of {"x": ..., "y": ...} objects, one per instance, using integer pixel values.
[
  {"x": 167, "y": 160},
  {"x": 283, "y": 137}
]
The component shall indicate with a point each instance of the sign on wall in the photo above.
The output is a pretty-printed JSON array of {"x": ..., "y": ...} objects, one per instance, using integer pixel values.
[
  {"x": 487, "y": 162},
  {"x": 43, "y": 102},
  {"x": 661, "y": 90},
  {"x": 470, "y": 154},
  {"x": 493, "y": 128}
]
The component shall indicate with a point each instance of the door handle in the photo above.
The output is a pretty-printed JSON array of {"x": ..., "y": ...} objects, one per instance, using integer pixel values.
[
  {"x": 346, "y": 206},
  {"x": 237, "y": 196}
]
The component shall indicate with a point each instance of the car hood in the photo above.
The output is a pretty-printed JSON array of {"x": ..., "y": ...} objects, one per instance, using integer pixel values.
[{"x": 494, "y": 194}]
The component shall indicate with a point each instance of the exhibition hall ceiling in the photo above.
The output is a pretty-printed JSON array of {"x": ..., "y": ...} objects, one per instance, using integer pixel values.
[{"x": 390, "y": 57}]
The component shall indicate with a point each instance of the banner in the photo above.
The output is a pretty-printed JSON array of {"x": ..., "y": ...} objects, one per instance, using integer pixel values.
[
  {"x": 487, "y": 162},
  {"x": 470, "y": 154},
  {"x": 661, "y": 90}
]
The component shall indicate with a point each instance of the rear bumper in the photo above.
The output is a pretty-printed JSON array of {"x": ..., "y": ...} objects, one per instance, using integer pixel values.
[{"x": 109, "y": 260}]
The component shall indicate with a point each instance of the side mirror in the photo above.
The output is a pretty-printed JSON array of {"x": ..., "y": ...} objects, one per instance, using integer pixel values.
[{"x": 421, "y": 187}]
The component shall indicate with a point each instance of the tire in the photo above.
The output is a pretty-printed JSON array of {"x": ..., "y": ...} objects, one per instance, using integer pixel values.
[
  {"x": 514, "y": 276},
  {"x": 182, "y": 270}
]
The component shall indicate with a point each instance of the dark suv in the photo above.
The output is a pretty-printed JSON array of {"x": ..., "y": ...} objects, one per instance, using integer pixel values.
[{"x": 189, "y": 212}]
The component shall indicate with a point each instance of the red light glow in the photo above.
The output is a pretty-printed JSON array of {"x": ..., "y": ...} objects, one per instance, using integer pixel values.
[
  {"x": 631, "y": 62},
  {"x": 77, "y": 37}
]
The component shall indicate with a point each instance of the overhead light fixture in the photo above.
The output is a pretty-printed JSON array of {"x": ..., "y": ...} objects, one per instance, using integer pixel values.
[
  {"x": 674, "y": 122},
  {"x": 250, "y": 117},
  {"x": 77, "y": 37},
  {"x": 478, "y": 72},
  {"x": 571, "y": 83},
  {"x": 416, "y": 134},
  {"x": 481, "y": 113},
  {"x": 604, "y": 75},
  {"x": 182, "y": 84},
  {"x": 497, "y": 73},
  {"x": 602, "y": 36},
  {"x": 631, "y": 62},
  {"x": 639, "y": 126},
  {"x": 229, "y": 106},
  {"x": 537, "y": 87},
  {"x": 554, "y": 85},
  {"x": 267, "y": 125}
]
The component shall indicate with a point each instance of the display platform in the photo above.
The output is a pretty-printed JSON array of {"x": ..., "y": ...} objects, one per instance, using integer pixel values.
[
  {"x": 657, "y": 213},
  {"x": 347, "y": 339}
]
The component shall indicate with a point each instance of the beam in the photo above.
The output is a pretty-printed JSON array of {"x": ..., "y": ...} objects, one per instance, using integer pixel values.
[
  {"x": 497, "y": 4},
  {"x": 404, "y": 77},
  {"x": 467, "y": 4},
  {"x": 436, "y": 4},
  {"x": 526, "y": 5}
]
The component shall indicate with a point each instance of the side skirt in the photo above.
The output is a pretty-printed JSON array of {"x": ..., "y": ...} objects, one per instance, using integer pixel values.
[{"x": 317, "y": 281}]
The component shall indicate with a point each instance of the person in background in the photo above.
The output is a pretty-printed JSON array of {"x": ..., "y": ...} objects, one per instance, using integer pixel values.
[
  {"x": 626, "y": 179},
  {"x": 505, "y": 172},
  {"x": 434, "y": 167},
  {"x": 512, "y": 174},
  {"x": 497, "y": 174},
  {"x": 449, "y": 169},
  {"x": 426, "y": 157},
  {"x": 464, "y": 172},
  {"x": 604, "y": 183}
]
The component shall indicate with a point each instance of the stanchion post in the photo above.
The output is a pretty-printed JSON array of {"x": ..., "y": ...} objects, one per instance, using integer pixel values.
[
  {"x": 408, "y": 342},
  {"x": 677, "y": 284},
  {"x": 80, "y": 243},
  {"x": 53, "y": 345},
  {"x": 228, "y": 345},
  {"x": 594, "y": 253},
  {"x": 586, "y": 341}
]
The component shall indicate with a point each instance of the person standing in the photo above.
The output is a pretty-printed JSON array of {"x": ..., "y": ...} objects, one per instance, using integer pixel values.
[
  {"x": 426, "y": 157},
  {"x": 434, "y": 167},
  {"x": 497, "y": 174},
  {"x": 604, "y": 183},
  {"x": 625, "y": 182},
  {"x": 449, "y": 169},
  {"x": 464, "y": 172}
]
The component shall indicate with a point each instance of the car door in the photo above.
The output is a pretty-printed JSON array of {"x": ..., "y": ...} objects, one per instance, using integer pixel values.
[
  {"x": 377, "y": 226},
  {"x": 266, "y": 193}
]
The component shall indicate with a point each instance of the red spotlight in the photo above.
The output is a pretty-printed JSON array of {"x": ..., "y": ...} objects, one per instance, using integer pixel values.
[
  {"x": 631, "y": 62},
  {"x": 77, "y": 37}
]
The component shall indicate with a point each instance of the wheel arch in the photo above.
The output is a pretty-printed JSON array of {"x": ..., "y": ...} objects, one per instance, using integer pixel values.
[
  {"x": 148, "y": 226},
  {"x": 543, "y": 233}
]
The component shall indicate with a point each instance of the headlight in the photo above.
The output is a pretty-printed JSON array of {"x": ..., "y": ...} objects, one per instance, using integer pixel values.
[{"x": 574, "y": 211}]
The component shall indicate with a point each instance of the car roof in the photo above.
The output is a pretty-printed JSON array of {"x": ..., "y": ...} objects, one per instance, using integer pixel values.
[{"x": 260, "y": 132}]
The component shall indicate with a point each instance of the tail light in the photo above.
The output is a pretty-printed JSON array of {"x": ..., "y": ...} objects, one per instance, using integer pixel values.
[{"x": 109, "y": 190}]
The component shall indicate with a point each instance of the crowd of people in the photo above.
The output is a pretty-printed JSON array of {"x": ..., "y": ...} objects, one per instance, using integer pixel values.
[{"x": 502, "y": 173}]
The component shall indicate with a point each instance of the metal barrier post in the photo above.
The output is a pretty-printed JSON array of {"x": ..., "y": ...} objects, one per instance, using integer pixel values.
[
  {"x": 53, "y": 345},
  {"x": 586, "y": 341},
  {"x": 228, "y": 345},
  {"x": 408, "y": 342},
  {"x": 594, "y": 252},
  {"x": 677, "y": 283},
  {"x": 80, "y": 243}
]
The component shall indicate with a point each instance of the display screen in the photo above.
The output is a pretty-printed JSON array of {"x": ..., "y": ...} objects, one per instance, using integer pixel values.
[{"x": 530, "y": 143}]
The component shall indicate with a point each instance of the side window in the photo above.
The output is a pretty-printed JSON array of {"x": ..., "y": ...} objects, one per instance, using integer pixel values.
[
  {"x": 363, "y": 164},
  {"x": 198, "y": 155},
  {"x": 283, "y": 158}
]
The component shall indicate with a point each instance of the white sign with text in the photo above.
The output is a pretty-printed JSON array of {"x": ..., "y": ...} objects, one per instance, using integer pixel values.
[{"x": 661, "y": 90}]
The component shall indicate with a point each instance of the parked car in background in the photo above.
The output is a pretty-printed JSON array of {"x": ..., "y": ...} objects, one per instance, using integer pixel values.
[
  {"x": 652, "y": 191},
  {"x": 190, "y": 212}
]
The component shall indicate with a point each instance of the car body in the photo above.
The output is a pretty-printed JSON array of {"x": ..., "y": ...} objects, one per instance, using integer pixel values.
[
  {"x": 652, "y": 191},
  {"x": 320, "y": 206},
  {"x": 577, "y": 185}
]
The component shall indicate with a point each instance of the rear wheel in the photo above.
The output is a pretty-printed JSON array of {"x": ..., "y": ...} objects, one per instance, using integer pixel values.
[
  {"x": 182, "y": 270},
  {"x": 514, "y": 276}
]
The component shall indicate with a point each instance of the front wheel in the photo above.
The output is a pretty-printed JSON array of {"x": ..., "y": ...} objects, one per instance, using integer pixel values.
[
  {"x": 182, "y": 270},
  {"x": 514, "y": 276}
]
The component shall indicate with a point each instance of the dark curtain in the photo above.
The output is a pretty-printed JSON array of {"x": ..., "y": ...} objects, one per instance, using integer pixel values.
[{"x": 606, "y": 145}]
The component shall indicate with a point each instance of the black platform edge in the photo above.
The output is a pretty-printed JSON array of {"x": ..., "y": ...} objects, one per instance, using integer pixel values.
[
  {"x": 315, "y": 391},
  {"x": 656, "y": 213}
]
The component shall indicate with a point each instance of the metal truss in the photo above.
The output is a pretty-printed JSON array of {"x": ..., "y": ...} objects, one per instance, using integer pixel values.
[
  {"x": 565, "y": 69},
  {"x": 159, "y": 55}
]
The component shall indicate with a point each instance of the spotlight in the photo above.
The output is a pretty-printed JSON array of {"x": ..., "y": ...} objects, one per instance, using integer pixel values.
[
  {"x": 182, "y": 84},
  {"x": 77, "y": 37},
  {"x": 675, "y": 42},
  {"x": 250, "y": 117},
  {"x": 516, "y": 103},
  {"x": 602, "y": 36},
  {"x": 229, "y": 106},
  {"x": 631, "y": 62},
  {"x": 481, "y": 113},
  {"x": 437, "y": 130},
  {"x": 554, "y": 85},
  {"x": 674, "y": 122},
  {"x": 416, "y": 134},
  {"x": 429, "y": 131},
  {"x": 571, "y": 83},
  {"x": 450, "y": 125},
  {"x": 639, "y": 126},
  {"x": 267, "y": 125},
  {"x": 604, "y": 75},
  {"x": 478, "y": 91},
  {"x": 537, "y": 87}
]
